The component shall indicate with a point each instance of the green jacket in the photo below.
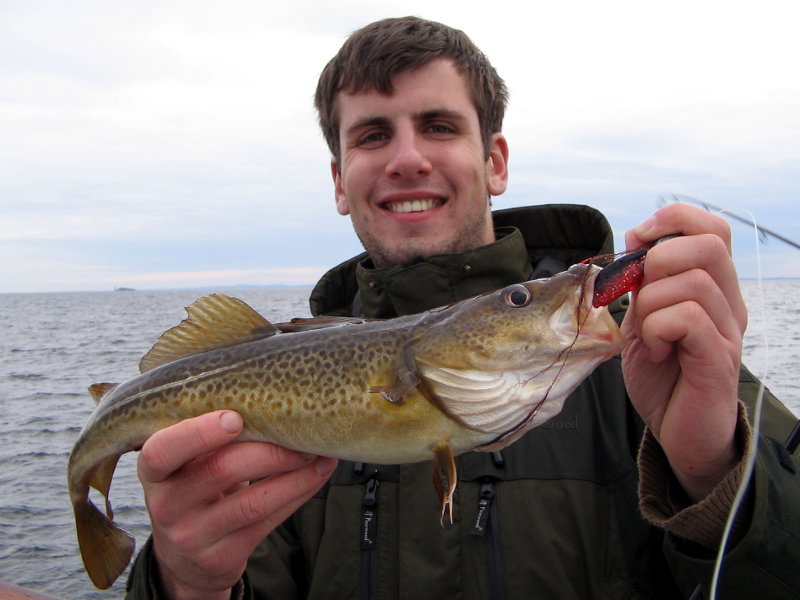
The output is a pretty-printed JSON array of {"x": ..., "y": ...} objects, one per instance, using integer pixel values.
[{"x": 556, "y": 514}]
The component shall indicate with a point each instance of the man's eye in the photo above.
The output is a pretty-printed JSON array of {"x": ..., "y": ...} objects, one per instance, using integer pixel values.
[
  {"x": 438, "y": 128},
  {"x": 373, "y": 138}
]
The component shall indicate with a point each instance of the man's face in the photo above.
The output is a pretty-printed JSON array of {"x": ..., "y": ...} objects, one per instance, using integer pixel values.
[{"x": 414, "y": 176}]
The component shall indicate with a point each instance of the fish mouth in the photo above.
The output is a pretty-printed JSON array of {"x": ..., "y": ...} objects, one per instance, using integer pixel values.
[
  {"x": 596, "y": 323},
  {"x": 580, "y": 324}
]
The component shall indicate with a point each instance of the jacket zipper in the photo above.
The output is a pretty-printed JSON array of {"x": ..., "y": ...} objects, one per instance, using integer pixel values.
[
  {"x": 369, "y": 539},
  {"x": 487, "y": 525}
]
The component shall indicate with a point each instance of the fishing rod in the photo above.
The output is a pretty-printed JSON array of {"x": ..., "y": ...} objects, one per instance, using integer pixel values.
[{"x": 763, "y": 233}]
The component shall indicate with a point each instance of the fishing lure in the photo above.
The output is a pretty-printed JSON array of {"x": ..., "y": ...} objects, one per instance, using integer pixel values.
[{"x": 622, "y": 275}]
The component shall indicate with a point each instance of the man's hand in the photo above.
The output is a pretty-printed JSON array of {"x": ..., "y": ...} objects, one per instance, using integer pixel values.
[
  {"x": 206, "y": 518},
  {"x": 685, "y": 329}
]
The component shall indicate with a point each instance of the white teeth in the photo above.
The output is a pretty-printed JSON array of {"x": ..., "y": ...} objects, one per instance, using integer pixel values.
[{"x": 409, "y": 206}]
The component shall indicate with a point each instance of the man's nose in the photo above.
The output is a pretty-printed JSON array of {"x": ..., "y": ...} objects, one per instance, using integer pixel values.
[{"x": 408, "y": 159}]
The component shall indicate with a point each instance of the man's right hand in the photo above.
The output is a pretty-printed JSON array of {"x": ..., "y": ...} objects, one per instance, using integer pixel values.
[{"x": 206, "y": 518}]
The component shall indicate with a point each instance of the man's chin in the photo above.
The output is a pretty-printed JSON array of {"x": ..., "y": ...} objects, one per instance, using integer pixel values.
[{"x": 407, "y": 255}]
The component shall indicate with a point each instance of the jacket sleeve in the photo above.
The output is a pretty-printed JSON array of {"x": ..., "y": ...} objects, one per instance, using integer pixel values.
[
  {"x": 764, "y": 562},
  {"x": 143, "y": 582},
  {"x": 764, "y": 550},
  {"x": 273, "y": 565}
]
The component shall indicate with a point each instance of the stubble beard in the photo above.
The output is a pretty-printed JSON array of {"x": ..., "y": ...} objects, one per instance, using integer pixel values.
[{"x": 415, "y": 249}]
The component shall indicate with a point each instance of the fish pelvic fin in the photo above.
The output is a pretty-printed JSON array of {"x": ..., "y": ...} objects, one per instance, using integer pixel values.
[
  {"x": 213, "y": 321},
  {"x": 106, "y": 549},
  {"x": 444, "y": 478},
  {"x": 98, "y": 390}
]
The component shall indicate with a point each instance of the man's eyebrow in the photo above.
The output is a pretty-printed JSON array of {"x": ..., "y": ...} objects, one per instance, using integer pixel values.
[
  {"x": 376, "y": 121},
  {"x": 439, "y": 113}
]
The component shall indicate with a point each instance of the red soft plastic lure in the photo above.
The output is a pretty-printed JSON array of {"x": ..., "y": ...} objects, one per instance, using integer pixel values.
[
  {"x": 622, "y": 275},
  {"x": 619, "y": 277}
]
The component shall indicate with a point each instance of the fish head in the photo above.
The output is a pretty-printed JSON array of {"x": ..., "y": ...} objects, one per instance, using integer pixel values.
[
  {"x": 534, "y": 318},
  {"x": 558, "y": 314},
  {"x": 504, "y": 362}
]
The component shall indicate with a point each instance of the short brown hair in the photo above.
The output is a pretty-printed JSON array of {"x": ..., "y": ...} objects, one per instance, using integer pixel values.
[{"x": 373, "y": 55}]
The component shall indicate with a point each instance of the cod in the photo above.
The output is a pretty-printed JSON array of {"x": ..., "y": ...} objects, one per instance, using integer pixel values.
[{"x": 474, "y": 375}]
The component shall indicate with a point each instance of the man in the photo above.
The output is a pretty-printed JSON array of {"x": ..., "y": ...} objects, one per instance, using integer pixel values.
[{"x": 412, "y": 113}]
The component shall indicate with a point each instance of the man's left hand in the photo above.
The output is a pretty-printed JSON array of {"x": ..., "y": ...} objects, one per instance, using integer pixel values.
[{"x": 685, "y": 329}]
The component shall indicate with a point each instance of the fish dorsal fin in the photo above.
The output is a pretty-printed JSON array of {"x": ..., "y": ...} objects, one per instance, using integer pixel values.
[
  {"x": 213, "y": 321},
  {"x": 98, "y": 390}
]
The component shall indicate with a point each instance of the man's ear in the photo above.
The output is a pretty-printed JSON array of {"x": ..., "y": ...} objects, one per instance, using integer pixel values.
[
  {"x": 341, "y": 201},
  {"x": 497, "y": 165}
]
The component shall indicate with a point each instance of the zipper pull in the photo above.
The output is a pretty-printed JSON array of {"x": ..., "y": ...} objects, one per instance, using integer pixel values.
[
  {"x": 484, "y": 502},
  {"x": 369, "y": 515},
  {"x": 498, "y": 460}
]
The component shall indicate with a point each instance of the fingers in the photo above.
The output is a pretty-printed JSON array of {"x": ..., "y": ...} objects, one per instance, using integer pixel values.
[
  {"x": 682, "y": 219},
  {"x": 701, "y": 342},
  {"x": 194, "y": 462},
  {"x": 169, "y": 449},
  {"x": 252, "y": 512},
  {"x": 216, "y": 475},
  {"x": 695, "y": 269},
  {"x": 207, "y": 546},
  {"x": 704, "y": 248},
  {"x": 206, "y": 518},
  {"x": 235, "y": 524}
]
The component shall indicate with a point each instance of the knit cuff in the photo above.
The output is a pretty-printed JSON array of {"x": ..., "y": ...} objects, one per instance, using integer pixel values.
[{"x": 663, "y": 502}]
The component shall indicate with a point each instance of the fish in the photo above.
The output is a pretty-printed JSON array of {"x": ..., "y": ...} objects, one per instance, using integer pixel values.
[{"x": 473, "y": 375}]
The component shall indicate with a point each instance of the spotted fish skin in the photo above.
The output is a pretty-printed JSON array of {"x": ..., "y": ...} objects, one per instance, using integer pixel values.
[{"x": 473, "y": 375}]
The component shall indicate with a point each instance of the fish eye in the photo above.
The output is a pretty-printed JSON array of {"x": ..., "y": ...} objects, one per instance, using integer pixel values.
[{"x": 517, "y": 296}]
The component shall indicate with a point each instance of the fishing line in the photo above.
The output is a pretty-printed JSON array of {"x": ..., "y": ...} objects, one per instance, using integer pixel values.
[{"x": 756, "y": 426}]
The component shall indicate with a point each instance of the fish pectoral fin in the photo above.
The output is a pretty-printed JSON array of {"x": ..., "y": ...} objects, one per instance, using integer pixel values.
[
  {"x": 106, "y": 549},
  {"x": 444, "y": 478},
  {"x": 483, "y": 400},
  {"x": 98, "y": 390},
  {"x": 404, "y": 382},
  {"x": 213, "y": 321}
]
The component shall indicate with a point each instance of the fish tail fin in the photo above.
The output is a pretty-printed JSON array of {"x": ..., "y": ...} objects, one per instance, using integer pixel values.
[{"x": 106, "y": 548}]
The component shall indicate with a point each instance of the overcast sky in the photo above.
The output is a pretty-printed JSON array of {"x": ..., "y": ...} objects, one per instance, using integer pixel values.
[{"x": 158, "y": 144}]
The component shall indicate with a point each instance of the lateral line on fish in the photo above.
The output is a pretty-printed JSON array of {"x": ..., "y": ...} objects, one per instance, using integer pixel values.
[{"x": 190, "y": 379}]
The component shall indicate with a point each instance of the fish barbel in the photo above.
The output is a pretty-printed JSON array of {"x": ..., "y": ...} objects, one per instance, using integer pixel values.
[{"x": 472, "y": 375}]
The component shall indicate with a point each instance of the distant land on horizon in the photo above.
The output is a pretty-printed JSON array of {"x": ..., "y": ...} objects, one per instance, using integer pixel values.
[
  {"x": 262, "y": 287},
  {"x": 244, "y": 286}
]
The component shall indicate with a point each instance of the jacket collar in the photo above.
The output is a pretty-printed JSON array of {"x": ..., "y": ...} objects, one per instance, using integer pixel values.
[
  {"x": 444, "y": 278},
  {"x": 532, "y": 242}
]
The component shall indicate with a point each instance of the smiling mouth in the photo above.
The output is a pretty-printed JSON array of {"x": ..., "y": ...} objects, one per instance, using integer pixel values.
[{"x": 412, "y": 206}]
